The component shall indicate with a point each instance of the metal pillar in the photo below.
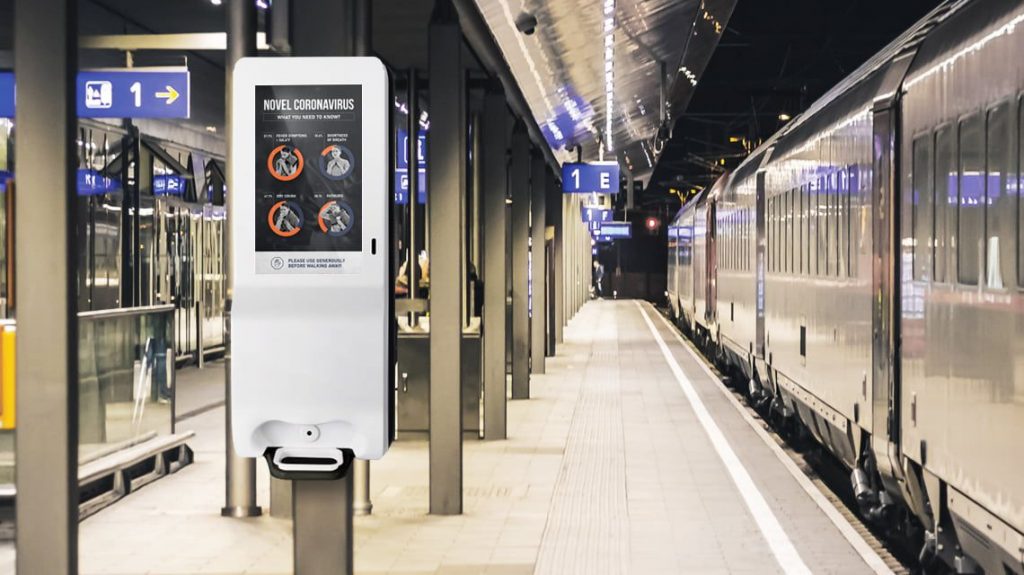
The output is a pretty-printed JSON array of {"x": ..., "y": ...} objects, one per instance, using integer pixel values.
[
  {"x": 519, "y": 171},
  {"x": 240, "y": 472},
  {"x": 447, "y": 185},
  {"x": 323, "y": 27},
  {"x": 494, "y": 157},
  {"x": 362, "y": 30},
  {"x": 554, "y": 202},
  {"x": 46, "y": 61},
  {"x": 559, "y": 290},
  {"x": 322, "y": 527},
  {"x": 570, "y": 257},
  {"x": 538, "y": 261},
  {"x": 322, "y": 509},
  {"x": 362, "y": 19},
  {"x": 412, "y": 127}
]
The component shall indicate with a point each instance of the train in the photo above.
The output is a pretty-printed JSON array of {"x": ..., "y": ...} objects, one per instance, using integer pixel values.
[
  {"x": 862, "y": 272},
  {"x": 150, "y": 226}
]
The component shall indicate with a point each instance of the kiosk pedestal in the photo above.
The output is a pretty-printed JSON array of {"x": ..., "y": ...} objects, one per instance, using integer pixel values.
[
  {"x": 322, "y": 525},
  {"x": 313, "y": 363}
]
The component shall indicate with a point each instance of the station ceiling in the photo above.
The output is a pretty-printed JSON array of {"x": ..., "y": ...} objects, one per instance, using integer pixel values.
[{"x": 583, "y": 55}]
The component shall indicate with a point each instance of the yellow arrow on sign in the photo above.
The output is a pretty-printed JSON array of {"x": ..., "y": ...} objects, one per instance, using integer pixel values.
[{"x": 170, "y": 95}]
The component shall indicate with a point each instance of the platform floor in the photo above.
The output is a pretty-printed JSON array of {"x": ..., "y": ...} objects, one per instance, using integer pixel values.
[{"x": 629, "y": 458}]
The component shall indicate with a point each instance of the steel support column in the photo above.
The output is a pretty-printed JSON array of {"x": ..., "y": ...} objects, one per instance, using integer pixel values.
[
  {"x": 572, "y": 249},
  {"x": 362, "y": 44},
  {"x": 46, "y": 61},
  {"x": 240, "y": 472},
  {"x": 323, "y": 27},
  {"x": 322, "y": 510},
  {"x": 554, "y": 202},
  {"x": 519, "y": 182},
  {"x": 446, "y": 157},
  {"x": 494, "y": 157},
  {"x": 538, "y": 261}
]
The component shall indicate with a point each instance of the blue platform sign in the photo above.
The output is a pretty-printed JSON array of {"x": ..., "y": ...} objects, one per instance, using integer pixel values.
[
  {"x": 141, "y": 93},
  {"x": 592, "y": 214},
  {"x": 133, "y": 94},
  {"x": 584, "y": 178},
  {"x": 402, "y": 168},
  {"x": 93, "y": 183},
  {"x": 168, "y": 185},
  {"x": 6, "y": 94},
  {"x": 616, "y": 230}
]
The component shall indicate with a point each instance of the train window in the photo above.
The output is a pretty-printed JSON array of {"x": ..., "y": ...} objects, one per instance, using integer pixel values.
[
  {"x": 842, "y": 192},
  {"x": 921, "y": 215},
  {"x": 1020, "y": 204},
  {"x": 1001, "y": 200},
  {"x": 971, "y": 221},
  {"x": 848, "y": 223},
  {"x": 833, "y": 227},
  {"x": 944, "y": 201},
  {"x": 774, "y": 238},
  {"x": 822, "y": 227},
  {"x": 792, "y": 231},
  {"x": 775, "y": 235},
  {"x": 789, "y": 231},
  {"x": 805, "y": 229},
  {"x": 800, "y": 222},
  {"x": 812, "y": 228}
]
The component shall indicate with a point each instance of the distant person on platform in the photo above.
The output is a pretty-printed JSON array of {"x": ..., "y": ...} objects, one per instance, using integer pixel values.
[{"x": 598, "y": 279}]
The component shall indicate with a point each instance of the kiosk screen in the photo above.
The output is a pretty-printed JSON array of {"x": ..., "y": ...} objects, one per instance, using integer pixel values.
[{"x": 308, "y": 178}]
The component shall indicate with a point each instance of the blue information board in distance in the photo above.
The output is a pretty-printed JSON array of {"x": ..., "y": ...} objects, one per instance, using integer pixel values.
[
  {"x": 590, "y": 177},
  {"x": 402, "y": 168},
  {"x": 616, "y": 230}
]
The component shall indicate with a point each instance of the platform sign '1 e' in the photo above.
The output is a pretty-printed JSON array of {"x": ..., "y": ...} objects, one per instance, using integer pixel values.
[{"x": 590, "y": 177}]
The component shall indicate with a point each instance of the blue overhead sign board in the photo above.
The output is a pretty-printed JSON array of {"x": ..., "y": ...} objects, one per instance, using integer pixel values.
[
  {"x": 592, "y": 214},
  {"x": 616, "y": 230},
  {"x": 585, "y": 178},
  {"x": 141, "y": 93},
  {"x": 133, "y": 94},
  {"x": 6, "y": 94},
  {"x": 402, "y": 168}
]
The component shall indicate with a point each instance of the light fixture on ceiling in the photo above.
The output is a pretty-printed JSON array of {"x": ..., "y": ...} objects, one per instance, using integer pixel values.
[
  {"x": 216, "y": 2},
  {"x": 609, "y": 70},
  {"x": 785, "y": 117}
]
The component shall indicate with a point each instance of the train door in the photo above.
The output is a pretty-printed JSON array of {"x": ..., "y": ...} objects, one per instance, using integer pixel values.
[
  {"x": 885, "y": 287},
  {"x": 711, "y": 261},
  {"x": 759, "y": 264}
]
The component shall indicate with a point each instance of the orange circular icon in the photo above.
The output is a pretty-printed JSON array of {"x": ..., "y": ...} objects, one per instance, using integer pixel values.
[
  {"x": 285, "y": 219},
  {"x": 285, "y": 163}
]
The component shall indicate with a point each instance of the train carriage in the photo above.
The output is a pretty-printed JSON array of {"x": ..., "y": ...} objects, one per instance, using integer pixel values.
[{"x": 864, "y": 269}]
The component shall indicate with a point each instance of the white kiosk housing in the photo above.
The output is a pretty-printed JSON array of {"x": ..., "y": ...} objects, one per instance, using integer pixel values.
[{"x": 311, "y": 323}]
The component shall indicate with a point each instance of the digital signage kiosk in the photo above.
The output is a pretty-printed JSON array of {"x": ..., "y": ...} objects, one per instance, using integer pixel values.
[{"x": 311, "y": 324}]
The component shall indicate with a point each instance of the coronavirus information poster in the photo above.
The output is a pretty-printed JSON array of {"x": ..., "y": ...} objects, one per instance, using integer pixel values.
[{"x": 308, "y": 178}]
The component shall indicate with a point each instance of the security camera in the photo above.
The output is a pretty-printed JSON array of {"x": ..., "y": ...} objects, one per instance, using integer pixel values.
[{"x": 526, "y": 23}]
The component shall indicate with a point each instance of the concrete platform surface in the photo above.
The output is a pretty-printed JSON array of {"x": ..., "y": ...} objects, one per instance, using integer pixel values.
[{"x": 629, "y": 458}]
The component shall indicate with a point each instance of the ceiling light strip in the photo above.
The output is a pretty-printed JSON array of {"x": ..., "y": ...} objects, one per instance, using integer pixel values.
[{"x": 609, "y": 70}]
